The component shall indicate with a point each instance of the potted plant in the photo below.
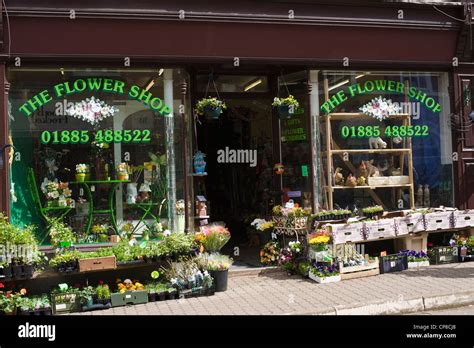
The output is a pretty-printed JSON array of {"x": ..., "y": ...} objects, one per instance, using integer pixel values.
[
  {"x": 416, "y": 259},
  {"x": 264, "y": 229},
  {"x": 324, "y": 274},
  {"x": 286, "y": 260},
  {"x": 65, "y": 262},
  {"x": 213, "y": 238},
  {"x": 218, "y": 266},
  {"x": 319, "y": 240},
  {"x": 269, "y": 254},
  {"x": 61, "y": 235},
  {"x": 103, "y": 293},
  {"x": 85, "y": 296},
  {"x": 81, "y": 170},
  {"x": 303, "y": 269},
  {"x": 393, "y": 263},
  {"x": 286, "y": 107},
  {"x": 122, "y": 171},
  {"x": 8, "y": 302},
  {"x": 212, "y": 108},
  {"x": 5, "y": 270},
  {"x": 373, "y": 212}
]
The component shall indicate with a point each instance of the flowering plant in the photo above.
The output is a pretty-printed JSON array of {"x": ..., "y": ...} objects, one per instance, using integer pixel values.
[
  {"x": 290, "y": 101},
  {"x": 380, "y": 108},
  {"x": 262, "y": 225},
  {"x": 323, "y": 271},
  {"x": 213, "y": 237},
  {"x": 92, "y": 110},
  {"x": 285, "y": 259},
  {"x": 295, "y": 211},
  {"x": 269, "y": 253},
  {"x": 82, "y": 168},
  {"x": 122, "y": 168},
  {"x": 295, "y": 247},
  {"x": 320, "y": 237},
  {"x": 99, "y": 228},
  {"x": 218, "y": 262},
  {"x": 58, "y": 192},
  {"x": 209, "y": 103},
  {"x": 414, "y": 256},
  {"x": 128, "y": 285}
]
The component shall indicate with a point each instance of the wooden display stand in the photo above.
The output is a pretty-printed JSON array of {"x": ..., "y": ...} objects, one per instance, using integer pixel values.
[{"x": 333, "y": 149}]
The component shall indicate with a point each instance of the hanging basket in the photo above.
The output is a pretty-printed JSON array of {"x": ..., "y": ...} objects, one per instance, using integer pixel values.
[
  {"x": 284, "y": 111},
  {"x": 212, "y": 113}
]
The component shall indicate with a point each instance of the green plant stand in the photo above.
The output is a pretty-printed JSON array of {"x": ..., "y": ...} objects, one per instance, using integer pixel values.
[
  {"x": 48, "y": 214},
  {"x": 113, "y": 187},
  {"x": 147, "y": 211}
]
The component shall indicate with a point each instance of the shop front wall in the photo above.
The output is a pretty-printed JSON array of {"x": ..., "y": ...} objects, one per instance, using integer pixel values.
[{"x": 100, "y": 149}]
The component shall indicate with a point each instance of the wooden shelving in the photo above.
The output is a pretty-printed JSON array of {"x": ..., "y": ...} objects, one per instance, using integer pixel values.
[{"x": 332, "y": 149}]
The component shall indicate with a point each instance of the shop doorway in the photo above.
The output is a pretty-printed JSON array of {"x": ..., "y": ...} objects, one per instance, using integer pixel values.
[
  {"x": 239, "y": 153},
  {"x": 242, "y": 147}
]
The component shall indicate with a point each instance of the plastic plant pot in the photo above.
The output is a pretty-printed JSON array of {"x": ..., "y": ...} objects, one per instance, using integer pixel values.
[
  {"x": 220, "y": 279},
  {"x": 212, "y": 113}
]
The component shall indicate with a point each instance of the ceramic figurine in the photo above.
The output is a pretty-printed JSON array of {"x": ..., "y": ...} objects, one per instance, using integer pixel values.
[
  {"x": 145, "y": 192},
  {"x": 419, "y": 196},
  {"x": 199, "y": 163},
  {"x": 338, "y": 177},
  {"x": 132, "y": 193},
  {"x": 290, "y": 204},
  {"x": 362, "y": 170},
  {"x": 201, "y": 209},
  {"x": 426, "y": 196},
  {"x": 397, "y": 140},
  {"x": 377, "y": 143},
  {"x": 351, "y": 181},
  {"x": 307, "y": 199}
]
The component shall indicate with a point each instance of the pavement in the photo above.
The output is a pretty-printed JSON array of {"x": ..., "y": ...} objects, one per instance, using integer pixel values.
[{"x": 272, "y": 292}]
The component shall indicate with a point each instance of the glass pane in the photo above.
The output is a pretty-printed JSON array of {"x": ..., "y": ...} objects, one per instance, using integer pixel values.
[
  {"x": 105, "y": 138},
  {"x": 231, "y": 84}
]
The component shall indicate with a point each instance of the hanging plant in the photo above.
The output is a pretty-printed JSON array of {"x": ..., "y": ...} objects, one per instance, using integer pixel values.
[
  {"x": 380, "y": 108},
  {"x": 91, "y": 110},
  {"x": 286, "y": 106},
  {"x": 210, "y": 107}
]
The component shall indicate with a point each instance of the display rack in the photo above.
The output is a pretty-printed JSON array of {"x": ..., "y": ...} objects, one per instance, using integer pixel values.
[{"x": 333, "y": 149}]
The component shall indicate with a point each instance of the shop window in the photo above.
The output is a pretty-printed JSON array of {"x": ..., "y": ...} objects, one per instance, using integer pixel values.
[
  {"x": 231, "y": 84},
  {"x": 421, "y": 96},
  {"x": 98, "y": 148}
]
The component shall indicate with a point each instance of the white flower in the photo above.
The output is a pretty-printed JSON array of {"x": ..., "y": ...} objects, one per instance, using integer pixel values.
[
  {"x": 54, "y": 194},
  {"x": 166, "y": 233}
]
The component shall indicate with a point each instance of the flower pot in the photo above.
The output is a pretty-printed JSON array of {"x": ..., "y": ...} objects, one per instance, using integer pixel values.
[
  {"x": 171, "y": 295},
  {"x": 212, "y": 113},
  {"x": 264, "y": 237},
  {"x": 80, "y": 177},
  {"x": 284, "y": 111},
  {"x": 220, "y": 279},
  {"x": 152, "y": 297},
  {"x": 6, "y": 272},
  {"x": 28, "y": 271},
  {"x": 162, "y": 296},
  {"x": 17, "y": 271},
  {"x": 123, "y": 177}
]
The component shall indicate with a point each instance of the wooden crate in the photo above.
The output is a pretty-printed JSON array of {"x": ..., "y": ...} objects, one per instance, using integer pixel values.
[
  {"x": 463, "y": 218},
  {"x": 98, "y": 263},
  {"x": 380, "y": 229},
  {"x": 347, "y": 233},
  {"x": 441, "y": 220},
  {"x": 353, "y": 272}
]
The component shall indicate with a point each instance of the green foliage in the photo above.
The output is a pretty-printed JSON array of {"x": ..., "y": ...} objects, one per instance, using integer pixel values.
[
  {"x": 103, "y": 292},
  {"x": 373, "y": 209},
  {"x": 64, "y": 258},
  {"x": 290, "y": 100},
  {"x": 204, "y": 103},
  {"x": 60, "y": 232}
]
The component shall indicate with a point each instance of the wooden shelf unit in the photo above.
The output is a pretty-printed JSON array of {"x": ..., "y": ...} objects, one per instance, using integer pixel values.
[{"x": 332, "y": 149}]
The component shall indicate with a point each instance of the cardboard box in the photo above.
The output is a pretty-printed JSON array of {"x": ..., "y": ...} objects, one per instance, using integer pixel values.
[
  {"x": 347, "y": 233},
  {"x": 463, "y": 218},
  {"x": 99, "y": 263},
  {"x": 439, "y": 221},
  {"x": 380, "y": 229},
  {"x": 415, "y": 222}
]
